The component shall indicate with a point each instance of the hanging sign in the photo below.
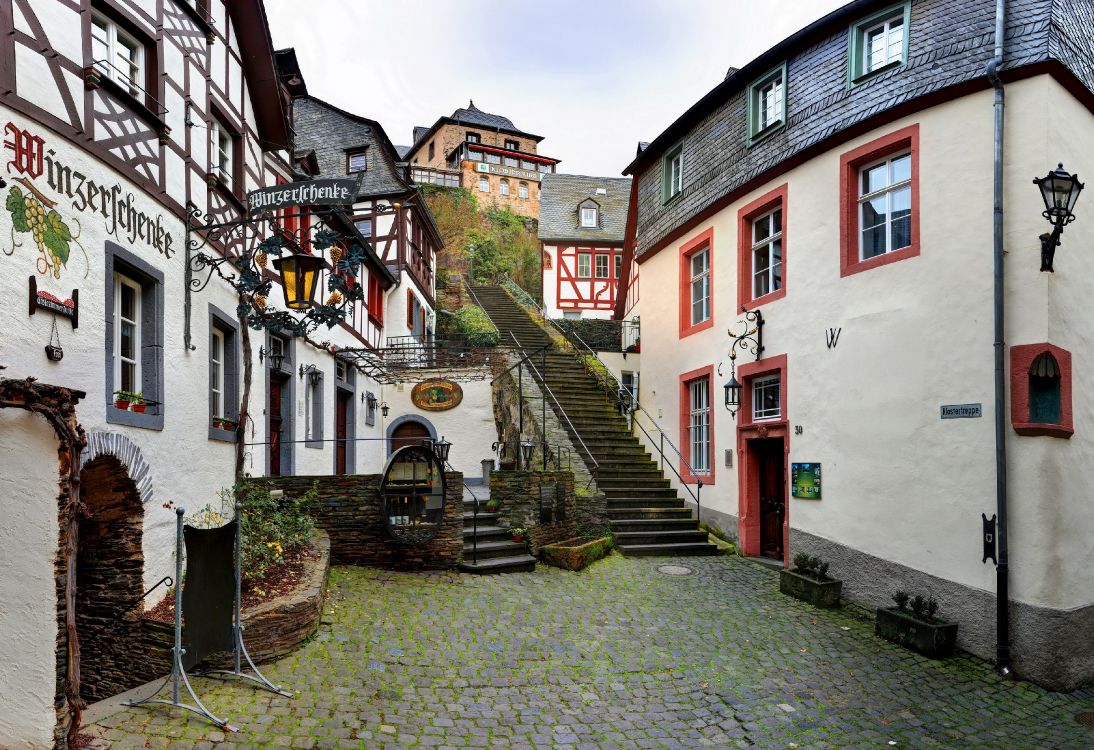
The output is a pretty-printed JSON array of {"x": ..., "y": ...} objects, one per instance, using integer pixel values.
[
  {"x": 327, "y": 191},
  {"x": 69, "y": 308},
  {"x": 437, "y": 395},
  {"x": 961, "y": 411},
  {"x": 806, "y": 481}
]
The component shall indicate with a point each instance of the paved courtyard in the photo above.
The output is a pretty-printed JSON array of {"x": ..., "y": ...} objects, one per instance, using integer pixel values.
[{"x": 618, "y": 656}]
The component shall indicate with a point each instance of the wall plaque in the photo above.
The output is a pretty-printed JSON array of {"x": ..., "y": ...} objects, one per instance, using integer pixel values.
[
  {"x": 805, "y": 481},
  {"x": 327, "y": 191},
  {"x": 961, "y": 411},
  {"x": 69, "y": 308},
  {"x": 437, "y": 395}
]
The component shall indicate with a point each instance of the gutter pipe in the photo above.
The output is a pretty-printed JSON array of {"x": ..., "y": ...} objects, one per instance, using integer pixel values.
[{"x": 1002, "y": 570}]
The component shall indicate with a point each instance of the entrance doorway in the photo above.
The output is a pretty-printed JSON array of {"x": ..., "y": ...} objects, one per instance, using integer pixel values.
[
  {"x": 409, "y": 433},
  {"x": 342, "y": 419},
  {"x": 771, "y": 494},
  {"x": 109, "y": 580},
  {"x": 278, "y": 424}
]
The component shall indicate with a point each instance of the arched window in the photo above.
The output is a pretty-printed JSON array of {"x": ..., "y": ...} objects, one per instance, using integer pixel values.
[
  {"x": 504, "y": 187},
  {"x": 1044, "y": 390}
]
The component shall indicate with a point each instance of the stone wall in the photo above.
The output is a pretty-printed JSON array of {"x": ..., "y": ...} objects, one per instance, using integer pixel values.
[
  {"x": 529, "y": 500},
  {"x": 348, "y": 509}
]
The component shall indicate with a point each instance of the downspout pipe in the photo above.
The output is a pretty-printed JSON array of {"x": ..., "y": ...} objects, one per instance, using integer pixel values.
[{"x": 1002, "y": 569}]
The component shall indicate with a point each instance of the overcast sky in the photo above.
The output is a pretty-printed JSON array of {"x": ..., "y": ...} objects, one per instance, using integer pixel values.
[{"x": 593, "y": 77}]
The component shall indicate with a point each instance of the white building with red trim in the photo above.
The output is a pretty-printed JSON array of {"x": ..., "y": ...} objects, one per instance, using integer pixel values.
[{"x": 582, "y": 221}]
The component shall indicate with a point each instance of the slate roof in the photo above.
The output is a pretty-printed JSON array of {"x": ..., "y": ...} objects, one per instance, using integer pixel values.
[
  {"x": 419, "y": 131},
  {"x": 559, "y": 197},
  {"x": 402, "y": 151},
  {"x": 475, "y": 116},
  {"x": 330, "y": 131}
]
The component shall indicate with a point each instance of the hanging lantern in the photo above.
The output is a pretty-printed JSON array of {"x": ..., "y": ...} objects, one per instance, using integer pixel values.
[
  {"x": 1059, "y": 190},
  {"x": 526, "y": 448},
  {"x": 441, "y": 448},
  {"x": 733, "y": 393},
  {"x": 299, "y": 276}
]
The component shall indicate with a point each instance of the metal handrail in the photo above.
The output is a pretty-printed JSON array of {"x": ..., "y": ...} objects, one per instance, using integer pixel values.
[
  {"x": 684, "y": 484},
  {"x": 595, "y": 467},
  {"x": 522, "y": 359}
]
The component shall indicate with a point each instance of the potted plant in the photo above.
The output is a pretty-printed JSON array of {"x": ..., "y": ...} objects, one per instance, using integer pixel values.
[
  {"x": 809, "y": 581},
  {"x": 122, "y": 400},
  {"x": 227, "y": 424},
  {"x": 218, "y": 423},
  {"x": 518, "y": 533},
  {"x": 493, "y": 505},
  {"x": 137, "y": 402},
  {"x": 914, "y": 624}
]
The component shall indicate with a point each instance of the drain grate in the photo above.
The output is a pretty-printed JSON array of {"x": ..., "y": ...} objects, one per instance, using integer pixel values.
[
  {"x": 1086, "y": 718},
  {"x": 676, "y": 570}
]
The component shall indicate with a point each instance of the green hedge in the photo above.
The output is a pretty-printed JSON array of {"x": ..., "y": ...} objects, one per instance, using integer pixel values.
[{"x": 473, "y": 322}]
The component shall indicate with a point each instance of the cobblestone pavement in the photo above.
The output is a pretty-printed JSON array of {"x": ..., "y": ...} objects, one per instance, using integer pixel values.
[{"x": 617, "y": 656}]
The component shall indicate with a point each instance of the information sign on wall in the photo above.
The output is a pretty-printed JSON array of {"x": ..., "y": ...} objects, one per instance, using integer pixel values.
[{"x": 806, "y": 481}]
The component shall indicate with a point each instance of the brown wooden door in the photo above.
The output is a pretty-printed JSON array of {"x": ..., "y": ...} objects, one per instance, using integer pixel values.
[
  {"x": 276, "y": 421},
  {"x": 408, "y": 433},
  {"x": 770, "y": 464},
  {"x": 341, "y": 424}
]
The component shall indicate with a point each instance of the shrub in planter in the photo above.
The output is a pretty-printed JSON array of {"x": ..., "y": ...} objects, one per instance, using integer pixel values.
[
  {"x": 914, "y": 624},
  {"x": 576, "y": 553},
  {"x": 808, "y": 580}
]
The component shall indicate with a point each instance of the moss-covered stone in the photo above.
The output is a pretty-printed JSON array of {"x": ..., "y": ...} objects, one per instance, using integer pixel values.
[{"x": 577, "y": 553}]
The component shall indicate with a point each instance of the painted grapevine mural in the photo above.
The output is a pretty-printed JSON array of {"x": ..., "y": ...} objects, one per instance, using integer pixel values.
[{"x": 33, "y": 212}]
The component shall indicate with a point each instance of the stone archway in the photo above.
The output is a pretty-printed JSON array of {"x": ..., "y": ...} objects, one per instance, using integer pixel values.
[
  {"x": 125, "y": 451},
  {"x": 409, "y": 429},
  {"x": 109, "y": 579}
]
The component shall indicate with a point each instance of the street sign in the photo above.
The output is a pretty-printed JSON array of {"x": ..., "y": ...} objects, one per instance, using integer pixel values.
[{"x": 961, "y": 411}]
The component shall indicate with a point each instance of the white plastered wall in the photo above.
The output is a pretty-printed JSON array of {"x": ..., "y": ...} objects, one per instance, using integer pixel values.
[{"x": 899, "y": 482}]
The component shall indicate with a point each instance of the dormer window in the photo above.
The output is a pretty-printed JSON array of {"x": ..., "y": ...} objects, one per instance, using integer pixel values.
[
  {"x": 117, "y": 55},
  {"x": 767, "y": 104},
  {"x": 589, "y": 217},
  {"x": 356, "y": 161},
  {"x": 473, "y": 137}
]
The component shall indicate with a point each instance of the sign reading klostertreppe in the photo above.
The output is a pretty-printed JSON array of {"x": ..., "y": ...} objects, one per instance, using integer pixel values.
[
  {"x": 806, "y": 481},
  {"x": 960, "y": 411},
  {"x": 328, "y": 191}
]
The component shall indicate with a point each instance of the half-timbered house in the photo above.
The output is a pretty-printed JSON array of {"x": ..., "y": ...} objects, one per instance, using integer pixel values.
[{"x": 581, "y": 229}]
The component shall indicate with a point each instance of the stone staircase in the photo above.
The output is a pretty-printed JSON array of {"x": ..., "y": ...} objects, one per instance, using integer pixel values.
[
  {"x": 497, "y": 552},
  {"x": 647, "y": 515}
]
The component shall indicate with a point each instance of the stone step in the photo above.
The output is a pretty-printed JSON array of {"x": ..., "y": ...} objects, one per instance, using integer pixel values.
[
  {"x": 689, "y": 549},
  {"x": 500, "y": 548},
  {"x": 630, "y": 514},
  {"x": 511, "y": 564},
  {"x": 688, "y": 536},
  {"x": 490, "y": 533},
  {"x": 485, "y": 519},
  {"x": 644, "y": 502},
  {"x": 617, "y": 485},
  {"x": 614, "y": 492},
  {"x": 625, "y": 525}
]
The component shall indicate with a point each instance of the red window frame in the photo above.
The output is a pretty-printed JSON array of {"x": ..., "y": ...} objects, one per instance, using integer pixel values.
[
  {"x": 686, "y": 380},
  {"x": 905, "y": 139},
  {"x": 375, "y": 299},
  {"x": 1021, "y": 359},
  {"x": 687, "y": 250},
  {"x": 762, "y": 205}
]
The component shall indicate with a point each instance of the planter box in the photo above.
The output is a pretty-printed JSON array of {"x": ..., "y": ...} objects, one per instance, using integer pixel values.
[
  {"x": 934, "y": 640},
  {"x": 818, "y": 593},
  {"x": 577, "y": 553}
]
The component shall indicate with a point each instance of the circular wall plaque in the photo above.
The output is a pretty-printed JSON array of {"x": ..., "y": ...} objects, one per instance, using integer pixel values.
[{"x": 437, "y": 395}]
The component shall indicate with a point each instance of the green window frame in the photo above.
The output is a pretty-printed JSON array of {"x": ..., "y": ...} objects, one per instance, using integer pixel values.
[
  {"x": 884, "y": 22},
  {"x": 672, "y": 172},
  {"x": 767, "y": 104}
]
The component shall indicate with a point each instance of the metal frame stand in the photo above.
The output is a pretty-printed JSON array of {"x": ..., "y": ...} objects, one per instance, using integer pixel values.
[
  {"x": 178, "y": 676},
  {"x": 240, "y": 648}
]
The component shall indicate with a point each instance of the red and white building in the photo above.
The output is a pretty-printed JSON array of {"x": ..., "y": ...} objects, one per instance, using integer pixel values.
[{"x": 582, "y": 222}]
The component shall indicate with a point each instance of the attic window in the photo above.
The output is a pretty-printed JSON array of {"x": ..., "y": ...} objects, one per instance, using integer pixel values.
[
  {"x": 472, "y": 137},
  {"x": 512, "y": 145},
  {"x": 356, "y": 162},
  {"x": 589, "y": 217},
  {"x": 601, "y": 191}
]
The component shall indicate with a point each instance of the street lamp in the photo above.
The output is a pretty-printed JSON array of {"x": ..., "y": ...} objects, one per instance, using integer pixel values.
[
  {"x": 299, "y": 276},
  {"x": 440, "y": 450},
  {"x": 526, "y": 448},
  {"x": 1059, "y": 190},
  {"x": 733, "y": 391},
  {"x": 384, "y": 409}
]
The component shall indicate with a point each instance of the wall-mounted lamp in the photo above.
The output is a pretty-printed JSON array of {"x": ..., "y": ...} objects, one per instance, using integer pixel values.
[
  {"x": 384, "y": 409},
  {"x": 441, "y": 448},
  {"x": 526, "y": 448},
  {"x": 313, "y": 373},
  {"x": 1060, "y": 191},
  {"x": 276, "y": 359},
  {"x": 367, "y": 396},
  {"x": 750, "y": 339}
]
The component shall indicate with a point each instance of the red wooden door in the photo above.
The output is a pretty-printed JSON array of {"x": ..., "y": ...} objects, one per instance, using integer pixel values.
[
  {"x": 770, "y": 464},
  {"x": 408, "y": 433},
  {"x": 341, "y": 422},
  {"x": 276, "y": 420}
]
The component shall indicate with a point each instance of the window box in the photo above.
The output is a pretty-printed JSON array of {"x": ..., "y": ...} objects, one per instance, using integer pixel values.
[
  {"x": 879, "y": 202},
  {"x": 878, "y": 43},
  {"x": 935, "y": 640},
  {"x": 767, "y": 104}
]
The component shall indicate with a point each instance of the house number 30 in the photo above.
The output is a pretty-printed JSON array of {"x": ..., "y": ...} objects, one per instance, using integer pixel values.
[{"x": 798, "y": 429}]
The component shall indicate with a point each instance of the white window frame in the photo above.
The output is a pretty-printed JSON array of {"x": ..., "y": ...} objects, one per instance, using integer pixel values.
[
  {"x": 606, "y": 258},
  {"x": 759, "y": 386},
  {"x": 111, "y": 40},
  {"x": 674, "y": 166},
  {"x": 363, "y": 164},
  {"x": 584, "y": 265},
  {"x": 367, "y": 224},
  {"x": 886, "y": 28},
  {"x": 503, "y": 187},
  {"x": 618, "y": 265},
  {"x": 589, "y": 218},
  {"x": 700, "y": 279},
  {"x": 774, "y": 282},
  {"x": 887, "y": 192},
  {"x": 699, "y": 426},
  {"x": 217, "y": 358},
  {"x": 484, "y": 184},
  {"x": 340, "y": 370},
  {"x": 120, "y": 361},
  {"x": 223, "y": 153},
  {"x": 522, "y": 190},
  {"x": 770, "y": 104}
]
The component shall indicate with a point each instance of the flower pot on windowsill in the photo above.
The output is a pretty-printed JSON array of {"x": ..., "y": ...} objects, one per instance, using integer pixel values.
[
  {"x": 812, "y": 590},
  {"x": 139, "y": 408},
  {"x": 92, "y": 78},
  {"x": 121, "y": 403},
  {"x": 211, "y": 179},
  {"x": 935, "y": 640},
  {"x": 218, "y": 423}
]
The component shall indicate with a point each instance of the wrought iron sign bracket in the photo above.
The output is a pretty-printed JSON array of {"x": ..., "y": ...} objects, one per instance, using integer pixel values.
[{"x": 749, "y": 339}]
